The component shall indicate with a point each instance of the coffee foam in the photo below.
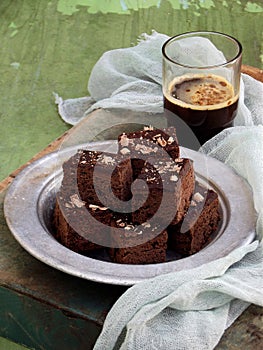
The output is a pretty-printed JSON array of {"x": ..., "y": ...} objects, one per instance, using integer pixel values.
[{"x": 201, "y": 92}]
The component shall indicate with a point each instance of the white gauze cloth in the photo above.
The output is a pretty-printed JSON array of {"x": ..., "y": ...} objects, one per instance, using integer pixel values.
[{"x": 188, "y": 309}]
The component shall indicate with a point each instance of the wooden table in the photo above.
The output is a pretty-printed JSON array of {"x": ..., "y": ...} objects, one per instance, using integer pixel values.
[{"x": 52, "y": 46}]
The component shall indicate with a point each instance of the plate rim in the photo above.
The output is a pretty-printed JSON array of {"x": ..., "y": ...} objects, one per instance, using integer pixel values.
[{"x": 65, "y": 260}]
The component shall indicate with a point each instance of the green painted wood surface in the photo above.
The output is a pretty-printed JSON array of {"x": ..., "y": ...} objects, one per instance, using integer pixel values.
[{"x": 52, "y": 45}]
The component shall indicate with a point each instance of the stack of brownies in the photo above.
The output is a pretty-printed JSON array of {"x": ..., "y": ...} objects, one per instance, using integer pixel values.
[{"x": 137, "y": 204}]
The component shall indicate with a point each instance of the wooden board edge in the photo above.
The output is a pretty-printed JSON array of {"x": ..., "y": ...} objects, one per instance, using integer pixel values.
[{"x": 255, "y": 73}]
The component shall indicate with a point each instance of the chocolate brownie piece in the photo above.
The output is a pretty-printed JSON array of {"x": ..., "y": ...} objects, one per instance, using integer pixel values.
[
  {"x": 173, "y": 180},
  {"x": 81, "y": 227},
  {"x": 192, "y": 233},
  {"x": 140, "y": 144},
  {"x": 81, "y": 219},
  {"x": 113, "y": 175},
  {"x": 166, "y": 138},
  {"x": 137, "y": 244}
]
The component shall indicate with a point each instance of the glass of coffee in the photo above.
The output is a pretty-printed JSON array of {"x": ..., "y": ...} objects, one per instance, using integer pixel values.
[{"x": 201, "y": 80}]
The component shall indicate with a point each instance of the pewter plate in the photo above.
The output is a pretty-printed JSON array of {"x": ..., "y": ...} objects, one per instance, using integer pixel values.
[{"x": 30, "y": 200}]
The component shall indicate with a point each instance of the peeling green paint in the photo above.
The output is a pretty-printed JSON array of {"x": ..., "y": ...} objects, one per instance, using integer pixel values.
[
  {"x": 207, "y": 4},
  {"x": 15, "y": 65},
  {"x": 13, "y": 33},
  {"x": 176, "y": 4},
  {"x": 57, "y": 52},
  {"x": 69, "y": 7},
  {"x": 253, "y": 7},
  {"x": 12, "y": 25}
]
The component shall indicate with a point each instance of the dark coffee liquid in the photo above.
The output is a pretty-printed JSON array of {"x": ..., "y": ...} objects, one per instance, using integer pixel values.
[{"x": 205, "y": 103}]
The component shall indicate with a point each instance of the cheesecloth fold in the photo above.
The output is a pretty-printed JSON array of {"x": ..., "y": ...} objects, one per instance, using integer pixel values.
[{"x": 189, "y": 309}]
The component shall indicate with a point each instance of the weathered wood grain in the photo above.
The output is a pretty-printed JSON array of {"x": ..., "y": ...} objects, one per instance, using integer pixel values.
[{"x": 51, "y": 46}]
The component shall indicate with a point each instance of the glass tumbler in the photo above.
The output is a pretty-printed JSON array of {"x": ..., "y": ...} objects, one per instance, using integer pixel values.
[{"x": 201, "y": 81}]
